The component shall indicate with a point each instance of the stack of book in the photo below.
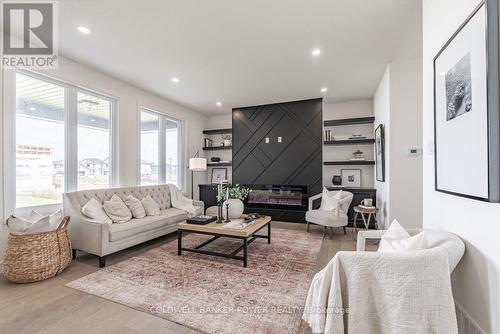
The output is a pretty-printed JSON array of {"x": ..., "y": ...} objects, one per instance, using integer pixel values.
[{"x": 366, "y": 207}]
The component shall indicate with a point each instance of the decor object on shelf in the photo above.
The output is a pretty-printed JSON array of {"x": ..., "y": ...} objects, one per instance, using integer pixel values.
[
  {"x": 218, "y": 175},
  {"x": 337, "y": 180},
  {"x": 233, "y": 200},
  {"x": 334, "y": 218},
  {"x": 226, "y": 140},
  {"x": 357, "y": 136},
  {"x": 351, "y": 177},
  {"x": 380, "y": 153},
  {"x": 328, "y": 135},
  {"x": 466, "y": 88},
  {"x": 358, "y": 155},
  {"x": 36, "y": 257},
  {"x": 196, "y": 164},
  {"x": 215, "y": 159},
  {"x": 208, "y": 143}
]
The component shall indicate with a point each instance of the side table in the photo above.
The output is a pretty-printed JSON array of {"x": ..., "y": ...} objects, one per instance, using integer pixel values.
[{"x": 364, "y": 211}]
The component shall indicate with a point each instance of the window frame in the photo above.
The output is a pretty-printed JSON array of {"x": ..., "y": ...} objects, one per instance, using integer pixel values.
[
  {"x": 163, "y": 118},
  {"x": 70, "y": 138}
]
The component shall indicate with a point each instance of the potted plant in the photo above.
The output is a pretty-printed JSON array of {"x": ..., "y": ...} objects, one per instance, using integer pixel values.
[{"x": 234, "y": 196}]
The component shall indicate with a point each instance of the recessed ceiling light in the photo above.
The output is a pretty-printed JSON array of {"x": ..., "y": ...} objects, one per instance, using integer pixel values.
[
  {"x": 84, "y": 30},
  {"x": 175, "y": 80},
  {"x": 316, "y": 52},
  {"x": 218, "y": 103},
  {"x": 324, "y": 90}
]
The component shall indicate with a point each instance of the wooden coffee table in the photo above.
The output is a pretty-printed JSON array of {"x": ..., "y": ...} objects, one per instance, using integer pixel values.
[{"x": 247, "y": 235}]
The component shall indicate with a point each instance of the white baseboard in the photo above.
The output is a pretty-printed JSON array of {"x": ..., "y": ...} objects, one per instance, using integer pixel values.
[{"x": 466, "y": 325}]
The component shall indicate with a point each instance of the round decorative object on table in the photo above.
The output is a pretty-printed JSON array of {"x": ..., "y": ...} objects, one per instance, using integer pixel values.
[
  {"x": 236, "y": 208},
  {"x": 365, "y": 211}
]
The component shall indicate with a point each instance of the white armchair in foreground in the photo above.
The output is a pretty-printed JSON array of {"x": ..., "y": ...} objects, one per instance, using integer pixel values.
[
  {"x": 335, "y": 218},
  {"x": 387, "y": 292}
]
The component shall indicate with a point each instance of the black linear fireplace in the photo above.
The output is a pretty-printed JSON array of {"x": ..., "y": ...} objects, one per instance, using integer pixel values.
[{"x": 291, "y": 197}]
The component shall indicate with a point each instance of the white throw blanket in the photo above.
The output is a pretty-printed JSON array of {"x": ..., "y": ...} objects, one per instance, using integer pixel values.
[
  {"x": 179, "y": 201},
  {"x": 386, "y": 293}
]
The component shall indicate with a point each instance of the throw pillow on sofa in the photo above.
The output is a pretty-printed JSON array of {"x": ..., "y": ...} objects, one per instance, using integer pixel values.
[
  {"x": 150, "y": 205},
  {"x": 397, "y": 239},
  {"x": 134, "y": 206},
  {"x": 93, "y": 209},
  {"x": 117, "y": 210}
]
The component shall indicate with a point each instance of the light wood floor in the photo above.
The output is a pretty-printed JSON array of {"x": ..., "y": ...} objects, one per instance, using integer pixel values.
[{"x": 50, "y": 307}]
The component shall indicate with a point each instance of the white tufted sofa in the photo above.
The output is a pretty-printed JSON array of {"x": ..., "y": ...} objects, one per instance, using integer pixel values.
[{"x": 101, "y": 238}]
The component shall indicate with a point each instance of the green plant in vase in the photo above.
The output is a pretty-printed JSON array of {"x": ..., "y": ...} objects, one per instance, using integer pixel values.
[{"x": 234, "y": 197}]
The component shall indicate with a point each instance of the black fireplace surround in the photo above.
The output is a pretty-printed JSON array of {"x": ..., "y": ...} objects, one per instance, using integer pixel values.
[
  {"x": 277, "y": 151},
  {"x": 291, "y": 197}
]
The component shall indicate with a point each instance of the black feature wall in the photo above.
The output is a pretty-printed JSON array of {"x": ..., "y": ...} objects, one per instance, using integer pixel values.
[{"x": 297, "y": 160}]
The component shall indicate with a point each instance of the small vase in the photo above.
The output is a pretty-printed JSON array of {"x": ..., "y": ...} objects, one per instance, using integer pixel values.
[{"x": 236, "y": 208}]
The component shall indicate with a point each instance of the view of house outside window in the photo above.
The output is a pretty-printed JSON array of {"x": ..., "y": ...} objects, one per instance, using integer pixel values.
[
  {"x": 40, "y": 116},
  {"x": 94, "y": 116}
]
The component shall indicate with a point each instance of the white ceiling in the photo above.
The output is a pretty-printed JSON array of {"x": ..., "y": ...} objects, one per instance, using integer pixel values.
[{"x": 243, "y": 52}]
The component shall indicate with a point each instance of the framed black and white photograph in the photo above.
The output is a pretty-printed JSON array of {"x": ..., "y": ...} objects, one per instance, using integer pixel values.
[
  {"x": 466, "y": 109},
  {"x": 219, "y": 175},
  {"x": 380, "y": 153},
  {"x": 351, "y": 177}
]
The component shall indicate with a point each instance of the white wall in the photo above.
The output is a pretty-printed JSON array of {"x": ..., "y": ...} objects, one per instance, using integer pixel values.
[
  {"x": 130, "y": 99},
  {"x": 397, "y": 105},
  {"x": 348, "y": 109},
  {"x": 382, "y": 112},
  {"x": 476, "y": 280}
]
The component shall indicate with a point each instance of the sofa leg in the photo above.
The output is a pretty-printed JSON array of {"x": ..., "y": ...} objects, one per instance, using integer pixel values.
[
  {"x": 344, "y": 230},
  {"x": 102, "y": 261},
  {"x": 73, "y": 253},
  {"x": 307, "y": 227}
]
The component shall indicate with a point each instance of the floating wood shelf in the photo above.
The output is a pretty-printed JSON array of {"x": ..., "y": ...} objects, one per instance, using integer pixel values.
[
  {"x": 217, "y": 131},
  {"x": 350, "y": 121},
  {"x": 349, "y": 141},
  {"x": 219, "y": 164},
  {"x": 349, "y": 162},
  {"x": 214, "y": 148}
]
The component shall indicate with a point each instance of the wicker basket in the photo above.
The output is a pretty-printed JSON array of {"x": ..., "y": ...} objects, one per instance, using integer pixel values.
[{"x": 35, "y": 257}]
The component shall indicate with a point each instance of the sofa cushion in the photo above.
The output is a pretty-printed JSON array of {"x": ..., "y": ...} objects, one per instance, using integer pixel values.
[
  {"x": 135, "y": 206},
  {"x": 137, "y": 226},
  {"x": 94, "y": 210},
  {"x": 152, "y": 208},
  {"x": 117, "y": 210}
]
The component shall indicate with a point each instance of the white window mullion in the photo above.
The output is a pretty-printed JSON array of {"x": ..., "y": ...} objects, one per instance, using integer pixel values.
[
  {"x": 161, "y": 152},
  {"x": 113, "y": 140},
  {"x": 71, "y": 159}
]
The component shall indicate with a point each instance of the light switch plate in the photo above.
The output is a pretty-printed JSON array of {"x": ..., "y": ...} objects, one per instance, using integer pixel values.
[
  {"x": 267, "y": 140},
  {"x": 279, "y": 140},
  {"x": 414, "y": 151}
]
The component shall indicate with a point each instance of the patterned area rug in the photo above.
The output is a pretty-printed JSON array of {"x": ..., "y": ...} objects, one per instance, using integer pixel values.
[{"x": 216, "y": 295}]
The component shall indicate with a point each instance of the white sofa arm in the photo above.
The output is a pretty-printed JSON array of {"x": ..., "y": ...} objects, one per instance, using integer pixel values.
[{"x": 365, "y": 235}]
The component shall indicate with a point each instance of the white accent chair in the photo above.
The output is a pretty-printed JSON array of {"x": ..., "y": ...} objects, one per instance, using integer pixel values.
[
  {"x": 331, "y": 219},
  {"x": 434, "y": 238}
]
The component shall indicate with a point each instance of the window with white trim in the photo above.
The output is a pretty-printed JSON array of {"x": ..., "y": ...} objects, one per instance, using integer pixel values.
[
  {"x": 161, "y": 149},
  {"x": 63, "y": 140}
]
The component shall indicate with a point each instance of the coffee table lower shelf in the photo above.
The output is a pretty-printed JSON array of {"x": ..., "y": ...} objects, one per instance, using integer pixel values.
[{"x": 246, "y": 239}]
